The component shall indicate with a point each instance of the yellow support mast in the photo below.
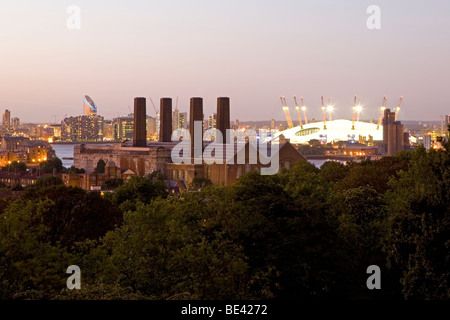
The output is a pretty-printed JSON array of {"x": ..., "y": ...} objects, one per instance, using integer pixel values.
[
  {"x": 354, "y": 113},
  {"x": 324, "y": 115},
  {"x": 298, "y": 112},
  {"x": 398, "y": 108},
  {"x": 304, "y": 110},
  {"x": 286, "y": 112},
  {"x": 383, "y": 107}
]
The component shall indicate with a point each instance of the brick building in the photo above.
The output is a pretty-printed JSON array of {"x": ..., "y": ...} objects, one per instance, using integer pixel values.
[
  {"x": 93, "y": 180},
  {"x": 144, "y": 159}
]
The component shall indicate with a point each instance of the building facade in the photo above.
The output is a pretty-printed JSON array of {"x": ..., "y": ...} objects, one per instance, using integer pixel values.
[
  {"x": 82, "y": 128},
  {"x": 93, "y": 180},
  {"x": 157, "y": 156}
]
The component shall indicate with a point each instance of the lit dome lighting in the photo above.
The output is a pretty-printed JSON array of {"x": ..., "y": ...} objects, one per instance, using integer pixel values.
[{"x": 337, "y": 130}]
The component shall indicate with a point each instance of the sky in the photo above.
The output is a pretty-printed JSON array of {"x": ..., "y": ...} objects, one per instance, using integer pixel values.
[{"x": 252, "y": 51}]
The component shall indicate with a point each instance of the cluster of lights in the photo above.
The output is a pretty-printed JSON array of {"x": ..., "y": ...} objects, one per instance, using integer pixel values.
[{"x": 355, "y": 153}]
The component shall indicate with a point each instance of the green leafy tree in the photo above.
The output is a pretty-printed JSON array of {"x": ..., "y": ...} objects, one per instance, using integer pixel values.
[
  {"x": 101, "y": 166},
  {"x": 74, "y": 169},
  {"x": 51, "y": 164},
  {"x": 30, "y": 267},
  {"x": 375, "y": 174},
  {"x": 75, "y": 215},
  {"x": 166, "y": 250},
  {"x": 139, "y": 189},
  {"x": 289, "y": 239},
  {"x": 419, "y": 220},
  {"x": 16, "y": 166},
  {"x": 362, "y": 226},
  {"x": 48, "y": 182},
  {"x": 112, "y": 183},
  {"x": 334, "y": 171},
  {"x": 199, "y": 183},
  {"x": 156, "y": 176}
]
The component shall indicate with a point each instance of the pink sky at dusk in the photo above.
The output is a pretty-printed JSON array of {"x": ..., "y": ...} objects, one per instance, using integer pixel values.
[{"x": 251, "y": 51}]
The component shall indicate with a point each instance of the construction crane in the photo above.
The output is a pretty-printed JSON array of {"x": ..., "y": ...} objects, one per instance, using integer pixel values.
[
  {"x": 354, "y": 113},
  {"x": 156, "y": 111},
  {"x": 398, "y": 108},
  {"x": 286, "y": 112},
  {"x": 64, "y": 119},
  {"x": 324, "y": 115},
  {"x": 298, "y": 112},
  {"x": 304, "y": 110},
  {"x": 329, "y": 109},
  {"x": 383, "y": 107}
]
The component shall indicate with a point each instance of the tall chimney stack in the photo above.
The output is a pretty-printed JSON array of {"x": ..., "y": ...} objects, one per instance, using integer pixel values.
[
  {"x": 196, "y": 114},
  {"x": 223, "y": 117},
  {"x": 140, "y": 128},
  {"x": 165, "y": 133}
]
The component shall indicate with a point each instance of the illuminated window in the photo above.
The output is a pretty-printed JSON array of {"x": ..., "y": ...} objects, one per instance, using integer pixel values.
[{"x": 306, "y": 132}]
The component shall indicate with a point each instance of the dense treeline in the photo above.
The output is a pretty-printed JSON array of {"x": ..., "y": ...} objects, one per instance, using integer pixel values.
[{"x": 303, "y": 233}]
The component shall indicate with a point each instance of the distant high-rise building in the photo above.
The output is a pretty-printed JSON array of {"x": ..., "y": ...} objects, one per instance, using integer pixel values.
[
  {"x": 151, "y": 126},
  {"x": 89, "y": 107},
  {"x": 212, "y": 121},
  {"x": 158, "y": 125},
  {"x": 56, "y": 130},
  {"x": 179, "y": 120},
  {"x": 82, "y": 128},
  {"x": 182, "y": 120},
  {"x": 272, "y": 124},
  {"x": 123, "y": 128},
  {"x": 108, "y": 130},
  {"x": 15, "y": 122},
  {"x": 175, "y": 119},
  {"x": 427, "y": 141},
  {"x": 140, "y": 118},
  {"x": 6, "y": 119}
]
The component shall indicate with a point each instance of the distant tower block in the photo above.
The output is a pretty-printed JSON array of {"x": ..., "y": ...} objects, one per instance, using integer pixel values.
[
  {"x": 393, "y": 136},
  {"x": 165, "y": 133},
  {"x": 223, "y": 117},
  {"x": 89, "y": 107},
  {"x": 140, "y": 128},
  {"x": 196, "y": 114}
]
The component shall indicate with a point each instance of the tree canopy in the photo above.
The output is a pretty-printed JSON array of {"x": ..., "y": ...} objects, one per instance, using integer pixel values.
[{"x": 304, "y": 233}]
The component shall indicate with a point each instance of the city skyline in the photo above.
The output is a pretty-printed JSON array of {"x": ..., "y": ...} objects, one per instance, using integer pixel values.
[{"x": 252, "y": 52}]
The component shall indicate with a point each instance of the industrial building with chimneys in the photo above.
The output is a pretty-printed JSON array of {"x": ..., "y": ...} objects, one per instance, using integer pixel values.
[{"x": 144, "y": 158}]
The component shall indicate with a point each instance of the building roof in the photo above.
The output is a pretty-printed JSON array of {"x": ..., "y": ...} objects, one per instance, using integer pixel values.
[
  {"x": 336, "y": 130},
  {"x": 175, "y": 186},
  {"x": 110, "y": 164}
]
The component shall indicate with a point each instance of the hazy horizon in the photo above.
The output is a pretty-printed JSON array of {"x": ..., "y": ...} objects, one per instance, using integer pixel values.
[{"x": 251, "y": 51}]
